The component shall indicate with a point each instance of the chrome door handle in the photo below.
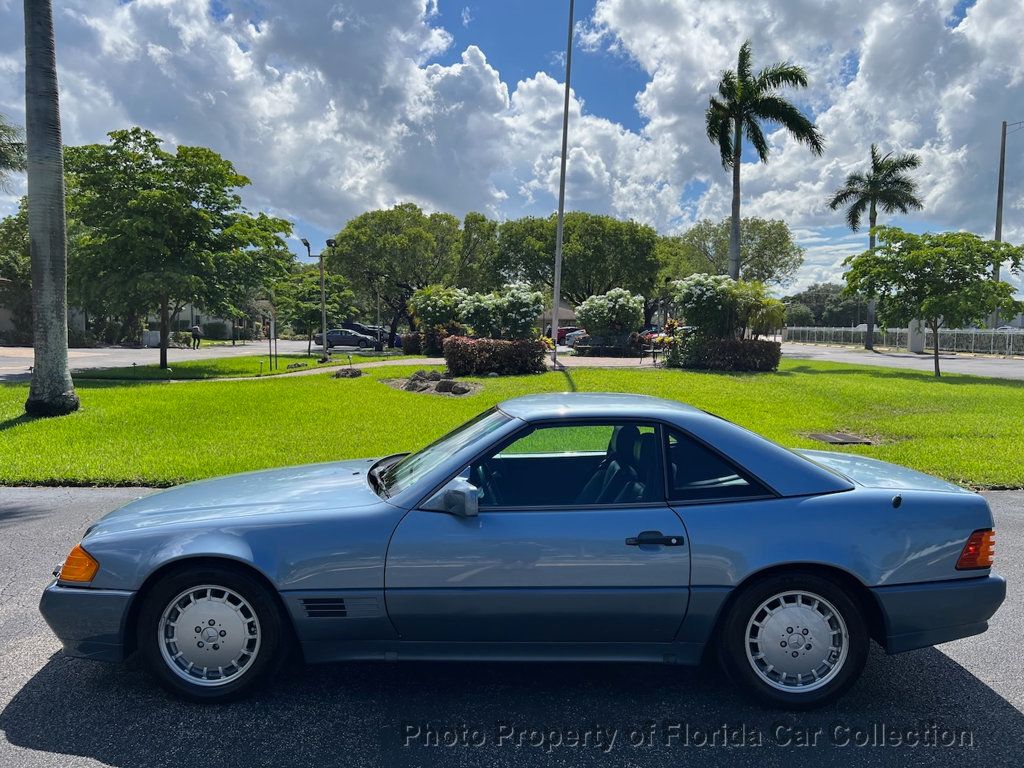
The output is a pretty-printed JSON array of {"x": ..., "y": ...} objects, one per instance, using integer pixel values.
[{"x": 655, "y": 538}]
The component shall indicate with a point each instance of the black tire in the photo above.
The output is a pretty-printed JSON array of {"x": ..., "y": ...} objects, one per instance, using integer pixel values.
[
  {"x": 733, "y": 641},
  {"x": 362, "y": 343},
  {"x": 273, "y": 637}
]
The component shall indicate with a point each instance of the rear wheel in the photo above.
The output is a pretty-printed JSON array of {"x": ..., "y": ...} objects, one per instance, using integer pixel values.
[
  {"x": 362, "y": 343},
  {"x": 796, "y": 641},
  {"x": 210, "y": 634}
]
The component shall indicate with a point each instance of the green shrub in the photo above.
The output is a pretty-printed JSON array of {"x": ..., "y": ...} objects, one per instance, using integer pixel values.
[
  {"x": 180, "y": 339},
  {"x": 412, "y": 344},
  {"x": 710, "y": 354},
  {"x": 478, "y": 357},
  {"x": 509, "y": 314}
]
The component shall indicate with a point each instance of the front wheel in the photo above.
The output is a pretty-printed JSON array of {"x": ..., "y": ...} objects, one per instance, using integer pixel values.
[
  {"x": 796, "y": 641},
  {"x": 210, "y": 634},
  {"x": 362, "y": 343}
]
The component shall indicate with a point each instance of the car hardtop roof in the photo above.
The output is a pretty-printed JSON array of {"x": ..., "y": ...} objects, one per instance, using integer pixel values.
[{"x": 587, "y": 405}]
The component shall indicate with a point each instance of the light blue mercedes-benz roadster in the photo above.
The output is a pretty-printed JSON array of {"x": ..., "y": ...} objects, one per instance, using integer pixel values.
[{"x": 552, "y": 527}]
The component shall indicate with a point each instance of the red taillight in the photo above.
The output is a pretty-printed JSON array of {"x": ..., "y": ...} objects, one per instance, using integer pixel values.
[{"x": 979, "y": 551}]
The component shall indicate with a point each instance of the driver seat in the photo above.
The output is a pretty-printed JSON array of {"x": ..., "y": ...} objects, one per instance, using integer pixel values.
[{"x": 617, "y": 471}]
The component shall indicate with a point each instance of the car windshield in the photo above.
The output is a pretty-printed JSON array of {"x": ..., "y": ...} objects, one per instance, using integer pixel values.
[{"x": 407, "y": 470}]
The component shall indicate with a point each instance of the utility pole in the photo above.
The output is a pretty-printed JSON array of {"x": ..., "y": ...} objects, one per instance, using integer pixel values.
[
  {"x": 561, "y": 193},
  {"x": 999, "y": 211}
]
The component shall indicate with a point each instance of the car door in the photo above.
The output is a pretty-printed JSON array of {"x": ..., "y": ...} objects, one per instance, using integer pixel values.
[{"x": 574, "y": 542}]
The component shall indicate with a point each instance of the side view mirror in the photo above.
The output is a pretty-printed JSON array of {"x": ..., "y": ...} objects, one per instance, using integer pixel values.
[{"x": 459, "y": 497}]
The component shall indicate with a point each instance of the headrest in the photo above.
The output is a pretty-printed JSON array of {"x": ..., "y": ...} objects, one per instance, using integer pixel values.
[{"x": 624, "y": 440}]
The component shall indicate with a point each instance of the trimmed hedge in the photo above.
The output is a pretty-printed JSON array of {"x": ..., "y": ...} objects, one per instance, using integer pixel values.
[
  {"x": 710, "y": 354},
  {"x": 477, "y": 357},
  {"x": 412, "y": 344}
]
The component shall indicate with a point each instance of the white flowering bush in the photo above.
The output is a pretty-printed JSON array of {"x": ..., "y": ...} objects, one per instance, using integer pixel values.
[
  {"x": 708, "y": 302},
  {"x": 616, "y": 313},
  {"x": 437, "y": 306},
  {"x": 509, "y": 314}
]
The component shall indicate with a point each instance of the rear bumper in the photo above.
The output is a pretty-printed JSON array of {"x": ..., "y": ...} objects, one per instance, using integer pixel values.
[
  {"x": 90, "y": 623},
  {"x": 920, "y": 615}
]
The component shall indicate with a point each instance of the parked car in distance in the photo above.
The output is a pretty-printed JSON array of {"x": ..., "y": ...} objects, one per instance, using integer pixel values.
[
  {"x": 373, "y": 331},
  {"x": 563, "y": 331},
  {"x": 673, "y": 532},
  {"x": 574, "y": 336},
  {"x": 343, "y": 337}
]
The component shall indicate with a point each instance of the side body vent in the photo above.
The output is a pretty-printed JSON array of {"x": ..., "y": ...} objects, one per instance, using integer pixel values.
[{"x": 341, "y": 607}]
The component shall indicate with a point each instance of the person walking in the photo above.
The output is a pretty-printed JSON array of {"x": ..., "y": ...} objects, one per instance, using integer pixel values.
[{"x": 197, "y": 336}]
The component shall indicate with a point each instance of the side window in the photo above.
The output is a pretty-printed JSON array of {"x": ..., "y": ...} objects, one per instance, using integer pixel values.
[
  {"x": 696, "y": 473},
  {"x": 571, "y": 465}
]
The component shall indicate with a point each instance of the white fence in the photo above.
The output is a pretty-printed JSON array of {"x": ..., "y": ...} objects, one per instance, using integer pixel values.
[
  {"x": 884, "y": 337},
  {"x": 981, "y": 341}
]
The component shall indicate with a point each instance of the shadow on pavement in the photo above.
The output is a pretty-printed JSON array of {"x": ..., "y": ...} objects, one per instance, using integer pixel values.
[{"x": 362, "y": 714}]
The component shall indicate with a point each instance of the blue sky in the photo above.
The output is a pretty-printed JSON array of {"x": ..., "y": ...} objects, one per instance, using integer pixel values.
[{"x": 334, "y": 107}]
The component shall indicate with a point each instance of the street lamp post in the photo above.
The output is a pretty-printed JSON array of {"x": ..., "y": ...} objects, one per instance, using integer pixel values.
[
  {"x": 323, "y": 301},
  {"x": 561, "y": 194}
]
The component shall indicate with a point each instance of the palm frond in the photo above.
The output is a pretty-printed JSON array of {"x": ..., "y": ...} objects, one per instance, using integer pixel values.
[
  {"x": 855, "y": 212},
  {"x": 842, "y": 196},
  {"x": 780, "y": 74},
  {"x": 718, "y": 129},
  {"x": 727, "y": 86},
  {"x": 743, "y": 63},
  {"x": 897, "y": 164},
  {"x": 757, "y": 138},
  {"x": 876, "y": 158},
  {"x": 778, "y": 110}
]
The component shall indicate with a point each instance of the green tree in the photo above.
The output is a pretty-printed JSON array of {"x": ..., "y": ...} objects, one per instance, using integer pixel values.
[
  {"x": 887, "y": 186},
  {"x": 298, "y": 301},
  {"x": 12, "y": 151},
  {"x": 16, "y": 270},
  {"x": 163, "y": 230},
  {"x": 390, "y": 254},
  {"x": 477, "y": 269},
  {"x": 745, "y": 100},
  {"x": 51, "y": 392},
  {"x": 942, "y": 279},
  {"x": 767, "y": 251},
  {"x": 830, "y": 304},
  {"x": 676, "y": 260},
  {"x": 798, "y": 315},
  {"x": 598, "y": 253}
]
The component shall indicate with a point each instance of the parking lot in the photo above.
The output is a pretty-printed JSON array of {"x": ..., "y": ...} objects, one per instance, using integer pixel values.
[{"x": 963, "y": 704}]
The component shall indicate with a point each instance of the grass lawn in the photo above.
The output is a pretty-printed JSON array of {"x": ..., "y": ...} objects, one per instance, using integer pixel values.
[
  {"x": 221, "y": 367},
  {"x": 962, "y": 428}
]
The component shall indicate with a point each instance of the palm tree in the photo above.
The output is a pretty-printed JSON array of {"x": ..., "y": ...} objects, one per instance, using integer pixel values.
[
  {"x": 12, "y": 151},
  {"x": 51, "y": 392},
  {"x": 743, "y": 101},
  {"x": 886, "y": 186}
]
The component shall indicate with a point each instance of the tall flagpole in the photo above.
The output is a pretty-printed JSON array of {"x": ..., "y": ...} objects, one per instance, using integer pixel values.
[{"x": 561, "y": 193}]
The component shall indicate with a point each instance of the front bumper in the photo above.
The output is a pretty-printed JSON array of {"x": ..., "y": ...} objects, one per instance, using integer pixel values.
[
  {"x": 920, "y": 615},
  {"x": 89, "y": 622}
]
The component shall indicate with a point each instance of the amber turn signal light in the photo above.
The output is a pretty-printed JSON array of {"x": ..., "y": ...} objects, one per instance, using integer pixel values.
[
  {"x": 79, "y": 566},
  {"x": 979, "y": 551}
]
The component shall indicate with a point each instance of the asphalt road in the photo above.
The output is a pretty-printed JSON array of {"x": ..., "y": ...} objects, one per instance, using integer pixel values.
[{"x": 56, "y": 711}]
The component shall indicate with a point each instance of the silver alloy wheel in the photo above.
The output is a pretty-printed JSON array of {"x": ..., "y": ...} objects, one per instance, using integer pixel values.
[
  {"x": 797, "y": 641},
  {"x": 209, "y": 635}
]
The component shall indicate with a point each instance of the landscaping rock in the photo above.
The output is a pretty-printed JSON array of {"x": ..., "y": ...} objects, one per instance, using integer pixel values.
[
  {"x": 294, "y": 366},
  {"x": 415, "y": 385},
  {"x": 348, "y": 373},
  {"x": 445, "y": 385},
  {"x": 458, "y": 388},
  {"x": 434, "y": 376}
]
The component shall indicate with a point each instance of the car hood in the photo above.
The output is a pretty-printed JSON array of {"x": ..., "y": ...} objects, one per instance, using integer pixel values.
[
  {"x": 332, "y": 486},
  {"x": 879, "y": 474}
]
